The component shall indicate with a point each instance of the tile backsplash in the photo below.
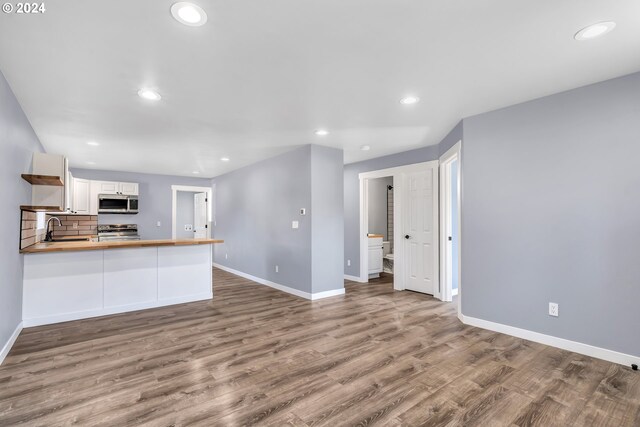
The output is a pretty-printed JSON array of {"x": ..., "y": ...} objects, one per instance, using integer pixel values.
[
  {"x": 75, "y": 225},
  {"x": 72, "y": 225}
]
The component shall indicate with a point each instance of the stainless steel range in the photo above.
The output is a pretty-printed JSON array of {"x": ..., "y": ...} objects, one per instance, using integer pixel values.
[{"x": 115, "y": 232}]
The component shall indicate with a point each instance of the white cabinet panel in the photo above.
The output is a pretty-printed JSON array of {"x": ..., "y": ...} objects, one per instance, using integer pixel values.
[
  {"x": 94, "y": 190},
  {"x": 128, "y": 188},
  {"x": 130, "y": 276},
  {"x": 106, "y": 187},
  {"x": 184, "y": 270},
  {"x": 57, "y": 284},
  {"x": 375, "y": 260},
  {"x": 81, "y": 190}
]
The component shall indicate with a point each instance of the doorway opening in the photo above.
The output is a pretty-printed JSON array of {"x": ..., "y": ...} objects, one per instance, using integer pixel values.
[
  {"x": 192, "y": 212},
  {"x": 380, "y": 228},
  {"x": 413, "y": 243},
  {"x": 450, "y": 217}
]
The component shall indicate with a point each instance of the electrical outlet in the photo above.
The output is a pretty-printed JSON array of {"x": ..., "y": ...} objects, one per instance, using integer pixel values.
[
  {"x": 348, "y": 263},
  {"x": 75, "y": 225},
  {"x": 294, "y": 224},
  {"x": 188, "y": 227},
  {"x": 553, "y": 309},
  {"x": 303, "y": 211},
  {"x": 226, "y": 256},
  {"x": 158, "y": 224},
  {"x": 277, "y": 268}
]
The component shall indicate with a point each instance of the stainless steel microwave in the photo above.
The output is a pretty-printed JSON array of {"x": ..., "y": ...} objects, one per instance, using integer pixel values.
[{"x": 117, "y": 204}]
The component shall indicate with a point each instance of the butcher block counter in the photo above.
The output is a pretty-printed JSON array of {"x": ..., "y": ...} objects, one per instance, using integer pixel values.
[
  {"x": 93, "y": 246},
  {"x": 77, "y": 280}
]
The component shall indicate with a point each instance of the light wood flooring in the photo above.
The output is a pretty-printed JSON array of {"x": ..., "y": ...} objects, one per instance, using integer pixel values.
[{"x": 257, "y": 356}]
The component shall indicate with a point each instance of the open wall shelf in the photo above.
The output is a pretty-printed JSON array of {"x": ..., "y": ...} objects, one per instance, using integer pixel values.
[
  {"x": 43, "y": 180},
  {"x": 40, "y": 208}
]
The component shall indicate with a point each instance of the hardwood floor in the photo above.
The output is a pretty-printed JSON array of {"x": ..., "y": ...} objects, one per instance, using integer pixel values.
[{"x": 255, "y": 355}]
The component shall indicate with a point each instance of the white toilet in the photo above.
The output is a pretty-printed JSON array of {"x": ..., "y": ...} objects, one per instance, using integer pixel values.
[{"x": 387, "y": 256}]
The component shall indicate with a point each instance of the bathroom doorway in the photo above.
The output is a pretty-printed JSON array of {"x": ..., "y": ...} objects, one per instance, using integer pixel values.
[
  {"x": 380, "y": 228},
  {"x": 413, "y": 244}
]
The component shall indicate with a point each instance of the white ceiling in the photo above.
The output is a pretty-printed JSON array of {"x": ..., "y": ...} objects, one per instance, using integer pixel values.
[{"x": 261, "y": 76}]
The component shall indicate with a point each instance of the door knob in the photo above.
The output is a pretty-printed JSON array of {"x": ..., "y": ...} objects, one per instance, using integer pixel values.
[{"x": 406, "y": 236}]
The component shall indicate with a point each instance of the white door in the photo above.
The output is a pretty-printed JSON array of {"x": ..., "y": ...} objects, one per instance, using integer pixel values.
[
  {"x": 421, "y": 230},
  {"x": 200, "y": 216},
  {"x": 81, "y": 196}
]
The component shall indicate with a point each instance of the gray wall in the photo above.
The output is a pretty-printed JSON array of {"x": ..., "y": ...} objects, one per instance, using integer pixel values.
[
  {"x": 185, "y": 213},
  {"x": 327, "y": 216},
  {"x": 255, "y": 206},
  {"x": 254, "y": 209},
  {"x": 155, "y": 199},
  {"x": 18, "y": 141},
  {"x": 551, "y": 212},
  {"x": 352, "y": 190},
  {"x": 378, "y": 205}
]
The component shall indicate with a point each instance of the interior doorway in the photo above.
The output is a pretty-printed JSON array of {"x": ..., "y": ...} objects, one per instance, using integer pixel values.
[
  {"x": 192, "y": 212},
  {"x": 450, "y": 217},
  {"x": 414, "y": 201}
]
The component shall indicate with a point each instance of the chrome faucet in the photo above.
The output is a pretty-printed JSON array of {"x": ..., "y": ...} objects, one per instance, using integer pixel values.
[{"x": 49, "y": 236}]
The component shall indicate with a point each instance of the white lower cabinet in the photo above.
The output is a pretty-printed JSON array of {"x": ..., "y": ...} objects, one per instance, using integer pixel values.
[{"x": 375, "y": 256}]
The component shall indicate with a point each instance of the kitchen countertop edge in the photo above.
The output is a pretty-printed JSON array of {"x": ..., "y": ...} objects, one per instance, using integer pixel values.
[{"x": 96, "y": 246}]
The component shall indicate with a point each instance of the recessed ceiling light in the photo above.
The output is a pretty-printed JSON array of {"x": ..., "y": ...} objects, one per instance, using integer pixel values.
[
  {"x": 189, "y": 14},
  {"x": 149, "y": 94},
  {"x": 410, "y": 100},
  {"x": 365, "y": 148},
  {"x": 91, "y": 163},
  {"x": 595, "y": 30},
  {"x": 93, "y": 143},
  {"x": 224, "y": 159},
  {"x": 195, "y": 172},
  {"x": 322, "y": 132}
]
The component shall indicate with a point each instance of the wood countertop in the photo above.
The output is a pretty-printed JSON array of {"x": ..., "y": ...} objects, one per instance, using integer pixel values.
[{"x": 95, "y": 246}]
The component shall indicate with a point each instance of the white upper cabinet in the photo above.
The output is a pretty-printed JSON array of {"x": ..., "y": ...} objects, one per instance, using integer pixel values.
[
  {"x": 106, "y": 187},
  {"x": 129, "y": 188},
  {"x": 126, "y": 188},
  {"x": 81, "y": 194},
  {"x": 47, "y": 195}
]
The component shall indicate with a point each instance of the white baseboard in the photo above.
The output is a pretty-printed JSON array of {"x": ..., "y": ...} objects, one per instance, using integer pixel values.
[
  {"x": 10, "y": 342},
  {"x": 67, "y": 317},
  {"x": 574, "y": 346},
  {"x": 283, "y": 288},
  {"x": 353, "y": 278}
]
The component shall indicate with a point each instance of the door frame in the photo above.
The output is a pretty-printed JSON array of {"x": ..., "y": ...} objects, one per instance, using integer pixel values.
[
  {"x": 454, "y": 153},
  {"x": 174, "y": 205},
  {"x": 399, "y": 182}
]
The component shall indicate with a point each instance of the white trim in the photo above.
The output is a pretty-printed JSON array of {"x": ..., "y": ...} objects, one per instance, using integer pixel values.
[
  {"x": 455, "y": 152},
  {"x": 283, "y": 288},
  {"x": 174, "y": 205},
  {"x": 398, "y": 174},
  {"x": 574, "y": 346},
  {"x": 12, "y": 339},
  {"x": 353, "y": 278},
  {"x": 327, "y": 294},
  {"x": 454, "y": 292},
  {"x": 47, "y": 320},
  {"x": 446, "y": 159}
]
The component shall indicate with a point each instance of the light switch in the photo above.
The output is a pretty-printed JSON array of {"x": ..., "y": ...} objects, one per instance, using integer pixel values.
[
  {"x": 294, "y": 224},
  {"x": 158, "y": 224}
]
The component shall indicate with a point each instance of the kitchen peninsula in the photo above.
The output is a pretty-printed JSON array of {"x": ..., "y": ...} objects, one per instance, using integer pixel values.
[{"x": 76, "y": 280}]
